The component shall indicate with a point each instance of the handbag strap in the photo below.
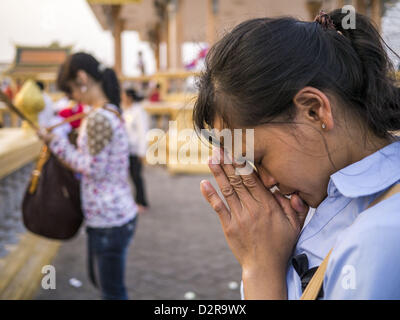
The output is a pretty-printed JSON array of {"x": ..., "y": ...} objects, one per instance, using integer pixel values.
[
  {"x": 43, "y": 157},
  {"x": 315, "y": 284},
  {"x": 113, "y": 111}
]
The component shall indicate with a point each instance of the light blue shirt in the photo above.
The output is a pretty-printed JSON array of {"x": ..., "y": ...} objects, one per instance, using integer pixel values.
[{"x": 365, "y": 261}]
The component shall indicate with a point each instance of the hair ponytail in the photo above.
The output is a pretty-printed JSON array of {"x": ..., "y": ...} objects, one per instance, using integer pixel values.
[
  {"x": 110, "y": 85},
  {"x": 379, "y": 96}
]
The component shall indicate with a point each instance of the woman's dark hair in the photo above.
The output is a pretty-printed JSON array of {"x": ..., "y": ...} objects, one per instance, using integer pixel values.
[
  {"x": 131, "y": 93},
  {"x": 253, "y": 73},
  {"x": 86, "y": 62},
  {"x": 62, "y": 85}
]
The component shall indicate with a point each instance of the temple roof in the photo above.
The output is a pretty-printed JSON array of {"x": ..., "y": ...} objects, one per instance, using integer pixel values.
[
  {"x": 138, "y": 15},
  {"x": 32, "y": 61},
  {"x": 141, "y": 15}
]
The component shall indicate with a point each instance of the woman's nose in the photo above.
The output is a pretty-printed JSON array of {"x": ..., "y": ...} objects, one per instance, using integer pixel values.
[{"x": 266, "y": 178}]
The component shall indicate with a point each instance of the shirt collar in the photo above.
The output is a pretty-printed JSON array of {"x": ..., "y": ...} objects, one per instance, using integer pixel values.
[{"x": 370, "y": 175}]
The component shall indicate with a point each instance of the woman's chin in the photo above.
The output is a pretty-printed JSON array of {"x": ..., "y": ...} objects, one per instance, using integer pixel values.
[
  {"x": 312, "y": 202},
  {"x": 309, "y": 201}
]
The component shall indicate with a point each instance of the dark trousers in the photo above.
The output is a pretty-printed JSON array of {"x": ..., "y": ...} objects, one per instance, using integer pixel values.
[
  {"x": 107, "y": 250},
  {"x": 135, "y": 167}
]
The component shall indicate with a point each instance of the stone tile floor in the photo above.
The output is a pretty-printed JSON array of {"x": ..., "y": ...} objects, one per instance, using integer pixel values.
[{"x": 178, "y": 247}]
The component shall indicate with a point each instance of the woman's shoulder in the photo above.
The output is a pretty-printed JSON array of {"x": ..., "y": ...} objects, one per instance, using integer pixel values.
[
  {"x": 108, "y": 115},
  {"x": 386, "y": 213},
  {"x": 362, "y": 262},
  {"x": 376, "y": 229},
  {"x": 112, "y": 112},
  {"x": 383, "y": 216},
  {"x": 99, "y": 131}
]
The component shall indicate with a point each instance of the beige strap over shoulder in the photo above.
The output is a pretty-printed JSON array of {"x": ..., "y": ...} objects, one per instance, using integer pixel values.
[{"x": 315, "y": 284}]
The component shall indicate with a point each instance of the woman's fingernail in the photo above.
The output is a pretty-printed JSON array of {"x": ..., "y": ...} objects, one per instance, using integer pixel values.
[{"x": 204, "y": 184}]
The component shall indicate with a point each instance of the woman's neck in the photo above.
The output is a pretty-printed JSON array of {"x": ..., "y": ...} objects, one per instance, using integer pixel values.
[
  {"x": 97, "y": 98},
  {"x": 365, "y": 148}
]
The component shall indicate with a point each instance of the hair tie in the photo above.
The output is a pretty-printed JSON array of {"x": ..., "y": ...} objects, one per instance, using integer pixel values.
[
  {"x": 101, "y": 68},
  {"x": 325, "y": 21}
]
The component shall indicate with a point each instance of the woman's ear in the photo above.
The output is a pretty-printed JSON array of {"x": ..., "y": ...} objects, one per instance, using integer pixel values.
[
  {"x": 313, "y": 106},
  {"x": 82, "y": 78}
]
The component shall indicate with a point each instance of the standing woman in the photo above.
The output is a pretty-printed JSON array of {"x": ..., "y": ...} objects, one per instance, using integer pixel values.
[
  {"x": 137, "y": 125},
  {"x": 323, "y": 104},
  {"x": 101, "y": 157}
]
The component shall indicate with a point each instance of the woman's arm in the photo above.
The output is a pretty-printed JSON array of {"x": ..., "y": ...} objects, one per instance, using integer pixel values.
[
  {"x": 267, "y": 284},
  {"x": 94, "y": 161}
]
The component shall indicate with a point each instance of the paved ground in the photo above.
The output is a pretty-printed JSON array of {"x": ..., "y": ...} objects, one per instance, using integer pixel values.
[{"x": 179, "y": 247}]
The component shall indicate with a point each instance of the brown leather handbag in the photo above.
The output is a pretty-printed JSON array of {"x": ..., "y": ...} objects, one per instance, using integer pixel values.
[
  {"x": 52, "y": 203},
  {"x": 51, "y": 206}
]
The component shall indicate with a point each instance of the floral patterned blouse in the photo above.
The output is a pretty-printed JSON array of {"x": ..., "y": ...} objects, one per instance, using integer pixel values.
[{"x": 102, "y": 159}]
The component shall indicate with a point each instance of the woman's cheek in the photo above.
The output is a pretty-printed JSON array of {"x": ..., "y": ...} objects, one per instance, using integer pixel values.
[{"x": 266, "y": 177}]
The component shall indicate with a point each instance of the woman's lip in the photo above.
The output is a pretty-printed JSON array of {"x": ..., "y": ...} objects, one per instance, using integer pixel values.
[
  {"x": 291, "y": 193},
  {"x": 287, "y": 194}
]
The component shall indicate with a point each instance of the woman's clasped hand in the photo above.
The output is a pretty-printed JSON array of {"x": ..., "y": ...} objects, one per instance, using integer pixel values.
[{"x": 260, "y": 226}]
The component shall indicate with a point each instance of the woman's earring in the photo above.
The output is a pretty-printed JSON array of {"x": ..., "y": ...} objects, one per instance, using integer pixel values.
[
  {"x": 323, "y": 126},
  {"x": 83, "y": 89}
]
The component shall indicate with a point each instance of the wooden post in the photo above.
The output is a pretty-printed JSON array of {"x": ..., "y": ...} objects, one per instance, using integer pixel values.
[
  {"x": 210, "y": 23},
  {"x": 157, "y": 56},
  {"x": 179, "y": 34},
  {"x": 157, "y": 46},
  {"x": 361, "y": 7},
  {"x": 174, "y": 37},
  {"x": 171, "y": 36},
  {"x": 165, "y": 45},
  {"x": 376, "y": 12},
  {"x": 117, "y": 31},
  {"x": 313, "y": 7}
]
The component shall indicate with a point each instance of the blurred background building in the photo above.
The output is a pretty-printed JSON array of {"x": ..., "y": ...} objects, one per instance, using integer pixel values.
[{"x": 168, "y": 24}]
